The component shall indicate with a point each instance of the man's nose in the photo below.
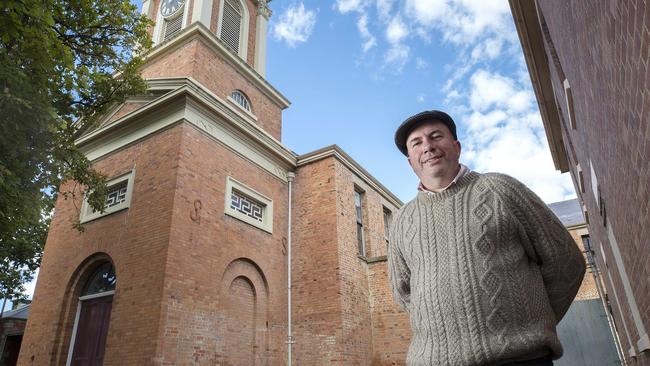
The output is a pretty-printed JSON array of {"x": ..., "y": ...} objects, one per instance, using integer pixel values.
[{"x": 428, "y": 145}]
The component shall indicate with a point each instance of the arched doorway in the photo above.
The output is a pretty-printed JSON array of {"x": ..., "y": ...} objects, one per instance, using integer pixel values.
[{"x": 93, "y": 316}]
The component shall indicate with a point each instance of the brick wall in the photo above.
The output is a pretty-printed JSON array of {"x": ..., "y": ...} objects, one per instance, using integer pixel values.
[
  {"x": 193, "y": 285},
  {"x": 224, "y": 296},
  {"x": 134, "y": 239},
  {"x": 602, "y": 48},
  {"x": 194, "y": 59},
  {"x": 343, "y": 308}
]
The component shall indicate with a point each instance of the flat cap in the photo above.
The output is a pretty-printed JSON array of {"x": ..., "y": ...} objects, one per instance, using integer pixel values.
[{"x": 415, "y": 120}]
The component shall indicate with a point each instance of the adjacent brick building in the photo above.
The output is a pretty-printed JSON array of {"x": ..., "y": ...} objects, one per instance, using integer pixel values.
[{"x": 589, "y": 64}]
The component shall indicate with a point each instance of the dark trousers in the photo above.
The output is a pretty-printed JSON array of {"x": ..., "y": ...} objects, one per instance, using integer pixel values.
[{"x": 544, "y": 361}]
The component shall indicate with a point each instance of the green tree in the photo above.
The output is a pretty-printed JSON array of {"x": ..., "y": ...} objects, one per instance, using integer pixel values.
[{"x": 62, "y": 65}]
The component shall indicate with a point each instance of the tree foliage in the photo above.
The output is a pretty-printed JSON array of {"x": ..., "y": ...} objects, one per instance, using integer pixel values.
[{"x": 62, "y": 65}]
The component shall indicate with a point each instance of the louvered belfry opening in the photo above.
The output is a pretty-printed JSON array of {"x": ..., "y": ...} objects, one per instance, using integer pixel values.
[
  {"x": 231, "y": 24},
  {"x": 173, "y": 26}
]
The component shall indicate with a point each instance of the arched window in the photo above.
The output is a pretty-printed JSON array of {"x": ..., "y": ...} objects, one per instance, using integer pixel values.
[
  {"x": 102, "y": 280},
  {"x": 233, "y": 26},
  {"x": 238, "y": 97}
]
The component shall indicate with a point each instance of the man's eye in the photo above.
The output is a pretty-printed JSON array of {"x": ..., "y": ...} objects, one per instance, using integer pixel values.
[{"x": 416, "y": 143}]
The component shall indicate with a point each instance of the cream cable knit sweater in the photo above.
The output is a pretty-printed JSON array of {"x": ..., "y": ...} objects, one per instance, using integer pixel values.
[{"x": 485, "y": 271}]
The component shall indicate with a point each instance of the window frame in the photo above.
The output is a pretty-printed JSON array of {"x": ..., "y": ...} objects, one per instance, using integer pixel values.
[
  {"x": 249, "y": 112},
  {"x": 358, "y": 214},
  {"x": 242, "y": 51},
  {"x": 267, "y": 205},
  {"x": 86, "y": 213},
  {"x": 388, "y": 218}
]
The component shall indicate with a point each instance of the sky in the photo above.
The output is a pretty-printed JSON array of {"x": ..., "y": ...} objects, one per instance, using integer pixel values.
[{"x": 355, "y": 69}]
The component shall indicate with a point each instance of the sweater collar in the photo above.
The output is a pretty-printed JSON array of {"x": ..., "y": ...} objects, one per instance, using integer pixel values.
[
  {"x": 459, "y": 185},
  {"x": 462, "y": 171}
]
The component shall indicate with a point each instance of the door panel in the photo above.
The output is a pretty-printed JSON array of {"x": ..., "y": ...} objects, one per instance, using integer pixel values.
[{"x": 92, "y": 329}]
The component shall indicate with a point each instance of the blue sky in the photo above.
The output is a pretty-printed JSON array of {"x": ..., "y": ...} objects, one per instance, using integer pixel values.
[{"x": 354, "y": 69}]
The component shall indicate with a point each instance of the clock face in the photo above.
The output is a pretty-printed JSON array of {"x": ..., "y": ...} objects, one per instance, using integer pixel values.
[{"x": 169, "y": 7}]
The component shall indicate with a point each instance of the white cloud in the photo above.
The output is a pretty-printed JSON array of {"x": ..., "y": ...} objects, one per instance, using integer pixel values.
[
  {"x": 420, "y": 97},
  {"x": 384, "y": 8},
  {"x": 504, "y": 133},
  {"x": 398, "y": 53},
  {"x": 346, "y": 6},
  {"x": 396, "y": 30},
  {"x": 421, "y": 63},
  {"x": 369, "y": 40},
  {"x": 295, "y": 25},
  {"x": 489, "y": 90},
  {"x": 397, "y": 56},
  {"x": 461, "y": 21}
]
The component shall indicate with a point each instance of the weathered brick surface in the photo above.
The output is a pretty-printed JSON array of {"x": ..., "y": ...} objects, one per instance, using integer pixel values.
[
  {"x": 343, "y": 308},
  {"x": 194, "y": 59},
  {"x": 603, "y": 50},
  {"x": 588, "y": 290},
  {"x": 225, "y": 281},
  {"x": 135, "y": 240},
  {"x": 182, "y": 272}
]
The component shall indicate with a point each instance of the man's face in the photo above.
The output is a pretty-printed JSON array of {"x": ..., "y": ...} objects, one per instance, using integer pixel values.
[{"x": 432, "y": 152}]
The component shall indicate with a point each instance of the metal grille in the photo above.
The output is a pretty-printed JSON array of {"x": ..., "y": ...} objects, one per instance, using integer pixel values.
[
  {"x": 245, "y": 205},
  {"x": 230, "y": 25},
  {"x": 241, "y": 99},
  {"x": 116, "y": 195},
  {"x": 172, "y": 27}
]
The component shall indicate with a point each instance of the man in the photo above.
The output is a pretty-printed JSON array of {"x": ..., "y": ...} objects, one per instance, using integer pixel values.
[{"x": 483, "y": 267}]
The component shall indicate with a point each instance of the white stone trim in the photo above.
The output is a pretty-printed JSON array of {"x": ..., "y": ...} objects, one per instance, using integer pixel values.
[
  {"x": 630, "y": 351},
  {"x": 643, "y": 343},
  {"x": 243, "y": 27},
  {"x": 199, "y": 31},
  {"x": 87, "y": 214},
  {"x": 76, "y": 321},
  {"x": 249, "y": 113},
  {"x": 267, "y": 203},
  {"x": 568, "y": 98},
  {"x": 594, "y": 183},
  {"x": 202, "y": 12},
  {"x": 190, "y": 102},
  {"x": 259, "y": 62},
  {"x": 145, "y": 8}
]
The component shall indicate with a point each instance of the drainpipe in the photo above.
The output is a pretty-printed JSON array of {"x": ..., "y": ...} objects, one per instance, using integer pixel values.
[{"x": 290, "y": 176}]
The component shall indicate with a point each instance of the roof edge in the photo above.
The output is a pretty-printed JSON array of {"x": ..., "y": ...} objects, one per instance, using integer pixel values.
[
  {"x": 338, "y": 153},
  {"x": 524, "y": 13}
]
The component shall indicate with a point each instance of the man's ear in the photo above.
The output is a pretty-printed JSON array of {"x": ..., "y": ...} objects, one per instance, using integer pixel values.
[
  {"x": 459, "y": 147},
  {"x": 408, "y": 158}
]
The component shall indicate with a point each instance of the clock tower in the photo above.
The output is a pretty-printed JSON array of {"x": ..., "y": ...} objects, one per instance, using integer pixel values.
[{"x": 188, "y": 262}]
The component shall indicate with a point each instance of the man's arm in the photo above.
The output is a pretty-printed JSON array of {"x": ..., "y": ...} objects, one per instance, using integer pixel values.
[
  {"x": 561, "y": 262},
  {"x": 398, "y": 271}
]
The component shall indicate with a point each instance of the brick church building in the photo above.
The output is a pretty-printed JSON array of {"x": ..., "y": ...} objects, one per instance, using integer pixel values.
[{"x": 188, "y": 265}]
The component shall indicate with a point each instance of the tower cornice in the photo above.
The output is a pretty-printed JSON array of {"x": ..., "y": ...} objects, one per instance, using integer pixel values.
[{"x": 198, "y": 31}]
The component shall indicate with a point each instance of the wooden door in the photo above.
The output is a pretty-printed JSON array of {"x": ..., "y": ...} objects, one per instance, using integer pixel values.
[{"x": 92, "y": 328}]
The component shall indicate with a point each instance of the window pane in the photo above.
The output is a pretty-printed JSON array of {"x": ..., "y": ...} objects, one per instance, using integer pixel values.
[
  {"x": 361, "y": 248},
  {"x": 102, "y": 280},
  {"x": 247, "y": 206}
]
